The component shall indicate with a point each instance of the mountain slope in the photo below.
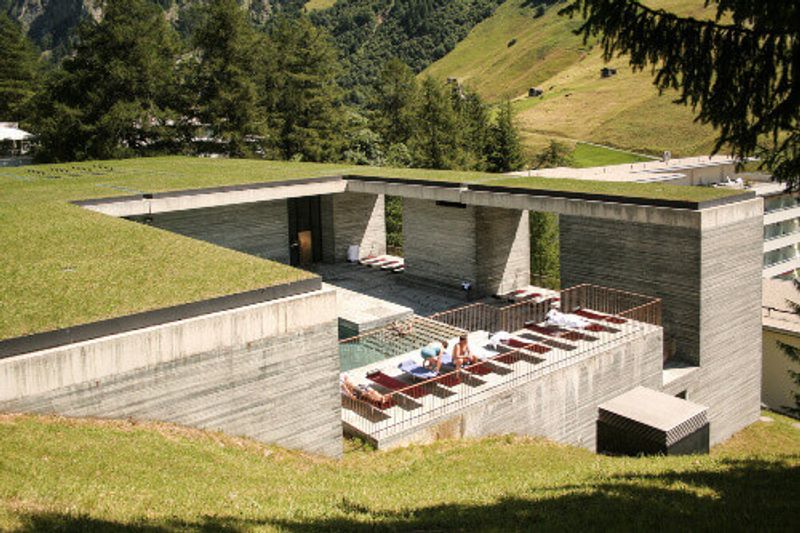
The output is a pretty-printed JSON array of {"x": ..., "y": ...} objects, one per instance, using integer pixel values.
[{"x": 624, "y": 111}]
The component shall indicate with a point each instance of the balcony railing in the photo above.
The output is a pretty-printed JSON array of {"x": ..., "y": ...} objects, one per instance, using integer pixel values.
[{"x": 627, "y": 316}]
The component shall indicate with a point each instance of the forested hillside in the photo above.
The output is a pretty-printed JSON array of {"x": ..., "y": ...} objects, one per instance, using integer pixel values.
[
  {"x": 418, "y": 32},
  {"x": 51, "y": 24},
  {"x": 520, "y": 47}
]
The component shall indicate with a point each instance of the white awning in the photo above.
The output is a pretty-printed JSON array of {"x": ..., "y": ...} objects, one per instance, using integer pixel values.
[{"x": 13, "y": 134}]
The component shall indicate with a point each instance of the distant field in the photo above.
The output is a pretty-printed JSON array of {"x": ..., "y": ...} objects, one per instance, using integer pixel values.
[
  {"x": 60, "y": 474},
  {"x": 312, "y": 5},
  {"x": 624, "y": 111}
]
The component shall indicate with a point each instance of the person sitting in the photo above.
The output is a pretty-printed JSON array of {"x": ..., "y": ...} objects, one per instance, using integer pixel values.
[
  {"x": 360, "y": 392},
  {"x": 435, "y": 355},
  {"x": 462, "y": 354}
]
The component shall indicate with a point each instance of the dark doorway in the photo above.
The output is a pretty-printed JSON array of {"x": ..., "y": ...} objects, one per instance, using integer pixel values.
[{"x": 305, "y": 233}]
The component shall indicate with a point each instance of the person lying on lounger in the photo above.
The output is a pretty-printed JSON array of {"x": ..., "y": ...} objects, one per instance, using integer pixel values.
[
  {"x": 462, "y": 353},
  {"x": 360, "y": 392},
  {"x": 564, "y": 320}
]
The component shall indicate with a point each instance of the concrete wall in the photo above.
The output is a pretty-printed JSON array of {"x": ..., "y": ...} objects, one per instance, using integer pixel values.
[
  {"x": 503, "y": 249},
  {"x": 707, "y": 271},
  {"x": 652, "y": 259},
  {"x": 352, "y": 218},
  {"x": 439, "y": 242},
  {"x": 560, "y": 405},
  {"x": 268, "y": 371},
  {"x": 259, "y": 229},
  {"x": 487, "y": 246},
  {"x": 776, "y": 385}
]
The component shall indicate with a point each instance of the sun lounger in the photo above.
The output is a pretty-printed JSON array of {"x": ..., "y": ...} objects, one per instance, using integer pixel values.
[
  {"x": 597, "y": 316},
  {"x": 525, "y": 345},
  {"x": 412, "y": 368},
  {"x": 394, "y": 384},
  {"x": 371, "y": 260},
  {"x": 549, "y": 342},
  {"x": 552, "y": 331},
  {"x": 390, "y": 265}
]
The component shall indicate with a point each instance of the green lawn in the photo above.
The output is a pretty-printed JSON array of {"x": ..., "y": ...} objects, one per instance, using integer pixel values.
[
  {"x": 588, "y": 155},
  {"x": 64, "y": 265},
  {"x": 58, "y": 474},
  {"x": 313, "y": 5}
]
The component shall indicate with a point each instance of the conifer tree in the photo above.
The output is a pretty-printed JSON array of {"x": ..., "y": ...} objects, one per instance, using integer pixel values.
[
  {"x": 739, "y": 71},
  {"x": 396, "y": 96},
  {"x": 112, "y": 97},
  {"x": 505, "y": 153},
  {"x": 303, "y": 98},
  {"x": 436, "y": 140},
  {"x": 18, "y": 70},
  {"x": 474, "y": 126},
  {"x": 226, "y": 78}
]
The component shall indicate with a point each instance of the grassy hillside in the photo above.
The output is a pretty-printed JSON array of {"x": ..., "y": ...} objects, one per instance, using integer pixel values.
[
  {"x": 94, "y": 475},
  {"x": 625, "y": 111}
]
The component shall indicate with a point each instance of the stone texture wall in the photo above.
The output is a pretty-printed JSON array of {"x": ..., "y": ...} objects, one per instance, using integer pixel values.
[
  {"x": 439, "y": 242},
  {"x": 730, "y": 325},
  {"x": 352, "y": 218},
  {"x": 259, "y": 229},
  {"x": 487, "y": 246},
  {"x": 503, "y": 249},
  {"x": 708, "y": 275},
  {"x": 267, "y": 371},
  {"x": 560, "y": 405}
]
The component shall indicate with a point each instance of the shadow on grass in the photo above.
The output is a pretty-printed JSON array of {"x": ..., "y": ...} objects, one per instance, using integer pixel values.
[{"x": 742, "y": 495}]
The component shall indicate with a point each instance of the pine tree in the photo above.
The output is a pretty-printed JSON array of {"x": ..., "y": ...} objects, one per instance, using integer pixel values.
[
  {"x": 301, "y": 93},
  {"x": 394, "y": 103},
  {"x": 436, "y": 140},
  {"x": 226, "y": 79},
  {"x": 739, "y": 72},
  {"x": 18, "y": 70},
  {"x": 545, "y": 253},
  {"x": 505, "y": 153},
  {"x": 113, "y": 96},
  {"x": 793, "y": 354},
  {"x": 474, "y": 127}
]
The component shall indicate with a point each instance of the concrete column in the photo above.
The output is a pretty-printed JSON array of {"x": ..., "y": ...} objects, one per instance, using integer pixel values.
[
  {"x": 352, "y": 218},
  {"x": 503, "y": 249},
  {"x": 707, "y": 271},
  {"x": 451, "y": 243}
]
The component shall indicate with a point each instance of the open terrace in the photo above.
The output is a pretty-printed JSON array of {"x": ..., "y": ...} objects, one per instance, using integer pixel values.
[{"x": 532, "y": 350}]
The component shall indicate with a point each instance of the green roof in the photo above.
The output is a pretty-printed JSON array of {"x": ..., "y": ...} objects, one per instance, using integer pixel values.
[{"x": 65, "y": 265}]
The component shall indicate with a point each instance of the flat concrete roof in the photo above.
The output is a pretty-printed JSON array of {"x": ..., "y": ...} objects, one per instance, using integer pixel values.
[{"x": 652, "y": 408}]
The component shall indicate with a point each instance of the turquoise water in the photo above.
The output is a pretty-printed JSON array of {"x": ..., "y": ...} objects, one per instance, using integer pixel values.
[{"x": 355, "y": 355}]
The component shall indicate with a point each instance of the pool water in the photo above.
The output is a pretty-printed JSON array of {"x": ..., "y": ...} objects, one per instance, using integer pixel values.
[{"x": 355, "y": 355}]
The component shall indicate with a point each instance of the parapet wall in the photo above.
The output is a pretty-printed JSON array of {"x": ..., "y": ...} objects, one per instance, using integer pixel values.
[{"x": 267, "y": 371}]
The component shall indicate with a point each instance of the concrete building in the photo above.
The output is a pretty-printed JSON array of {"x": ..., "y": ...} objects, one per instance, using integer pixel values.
[
  {"x": 781, "y": 208},
  {"x": 15, "y": 145},
  {"x": 781, "y": 325},
  {"x": 236, "y": 364}
]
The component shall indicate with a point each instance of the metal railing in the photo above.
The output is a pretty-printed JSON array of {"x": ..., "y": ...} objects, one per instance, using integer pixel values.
[
  {"x": 624, "y": 315},
  {"x": 448, "y": 393}
]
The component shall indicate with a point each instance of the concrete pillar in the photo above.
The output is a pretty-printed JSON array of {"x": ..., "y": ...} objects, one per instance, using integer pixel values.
[
  {"x": 707, "y": 271},
  {"x": 450, "y": 243},
  {"x": 352, "y": 218}
]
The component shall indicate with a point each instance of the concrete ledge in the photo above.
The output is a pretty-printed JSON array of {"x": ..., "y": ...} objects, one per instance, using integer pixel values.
[
  {"x": 50, "y": 339},
  {"x": 633, "y": 200},
  {"x": 148, "y": 204}
]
